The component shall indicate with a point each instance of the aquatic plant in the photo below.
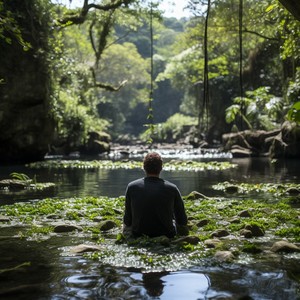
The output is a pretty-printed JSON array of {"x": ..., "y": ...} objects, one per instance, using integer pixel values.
[
  {"x": 178, "y": 165},
  {"x": 279, "y": 189},
  {"x": 36, "y": 220},
  {"x": 21, "y": 181}
]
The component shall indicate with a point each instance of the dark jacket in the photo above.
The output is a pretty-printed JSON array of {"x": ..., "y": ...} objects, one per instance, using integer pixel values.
[{"x": 152, "y": 205}]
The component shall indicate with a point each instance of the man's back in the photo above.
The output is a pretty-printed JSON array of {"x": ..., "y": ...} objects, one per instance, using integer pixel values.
[{"x": 151, "y": 206}]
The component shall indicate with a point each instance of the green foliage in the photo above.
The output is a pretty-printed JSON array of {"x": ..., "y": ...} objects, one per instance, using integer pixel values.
[
  {"x": 10, "y": 29},
  {"x": 294, "y": 113},
  {"x": 259, "y": 109},
  {"x": 20, "y": 176},
  {"x": 173, "y": 129}
]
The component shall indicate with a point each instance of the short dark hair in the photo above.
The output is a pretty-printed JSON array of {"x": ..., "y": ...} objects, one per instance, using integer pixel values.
[{"x": 153, "y": 163}]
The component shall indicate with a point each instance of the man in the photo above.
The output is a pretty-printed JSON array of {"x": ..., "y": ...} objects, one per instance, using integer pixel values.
[{"x": 152, "y": 204}]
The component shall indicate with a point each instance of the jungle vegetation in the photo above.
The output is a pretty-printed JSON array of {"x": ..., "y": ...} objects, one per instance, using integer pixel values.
[{"x": 106, "y": 69}]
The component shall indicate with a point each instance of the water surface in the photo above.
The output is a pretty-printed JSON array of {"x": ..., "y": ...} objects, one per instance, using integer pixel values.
[{"x": 55, "y": 275}]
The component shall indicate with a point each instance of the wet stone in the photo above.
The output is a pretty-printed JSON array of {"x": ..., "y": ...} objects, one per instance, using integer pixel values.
[
  {"x": 66, "y": 228},
  {"x": 4, "y": 219},
  {"x": 107, "y": 225},
  {"x": 246, "y": 233},
  {"x": 245, "y": 214},
  {"x": 212, "y": 243},
  {"x": 255, "y": 229},
  {"x": 202, "y": 223},
  {"x": 224, "y": 256},
  {"x": 231, "y": 189},
  {"x": 83, "y": 248},
  {"x": 193, "y": 240},
  {"x": 220, "y": 233},
  {"x": 195, "y": 196},
  {"x": 293, "y": 191},
  {"x": 284, "y": 246}
]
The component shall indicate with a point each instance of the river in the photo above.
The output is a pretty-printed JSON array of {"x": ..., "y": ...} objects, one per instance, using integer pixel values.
[{"x": 54, "y": 275}]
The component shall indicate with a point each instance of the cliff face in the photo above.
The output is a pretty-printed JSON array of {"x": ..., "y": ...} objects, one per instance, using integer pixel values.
[{"x": 25, "y": 122}]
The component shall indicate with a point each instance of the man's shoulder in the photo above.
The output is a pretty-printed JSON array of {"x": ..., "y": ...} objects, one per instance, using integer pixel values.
[
  {"x": 170, "y": 184},
  {"x": 136, "y": 182}
]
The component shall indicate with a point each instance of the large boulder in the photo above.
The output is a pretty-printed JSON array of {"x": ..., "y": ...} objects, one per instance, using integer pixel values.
[
  {"x": 98, "y": 142},
  {"x": 287, "y": 142}
]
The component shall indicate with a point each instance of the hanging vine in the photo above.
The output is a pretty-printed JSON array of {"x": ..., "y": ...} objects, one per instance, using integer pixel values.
[
  {"x": 241, "y": 59},
  {"x": 205, "y": 73},
  {"x": 150, "y": 117}
]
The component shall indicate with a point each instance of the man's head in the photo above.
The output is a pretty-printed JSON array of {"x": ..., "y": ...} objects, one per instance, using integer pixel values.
[{"x": 153, "y": 163}]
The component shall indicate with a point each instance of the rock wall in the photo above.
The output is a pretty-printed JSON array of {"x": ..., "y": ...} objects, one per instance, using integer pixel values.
[{"x": 25, "y": 122}]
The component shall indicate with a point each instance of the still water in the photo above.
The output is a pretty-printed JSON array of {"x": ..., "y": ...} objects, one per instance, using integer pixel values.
[{"x": 54, "y": 275}]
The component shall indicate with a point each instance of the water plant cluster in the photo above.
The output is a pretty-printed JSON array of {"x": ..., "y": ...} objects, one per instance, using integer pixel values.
[
  {"x": 215, "y": 224},
  {"x": 21, "y": 181},
  {"x": 174, "y": 165},
  {"x": 277, "y": 189}
]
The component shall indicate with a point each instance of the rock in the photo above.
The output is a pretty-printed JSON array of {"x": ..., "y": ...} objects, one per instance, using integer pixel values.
[
  {"x": 66, "y": 228},
  {"x": 235, "y": 220},
  {"x": 98, "y": 219},
  {"x": 287, "y": 142},
  {"x": 246, "y": 233},
  {"x": 98, "y": 142},
  {"x": 202, "y": 223},
  {"x": 241, "y": 152},
  {"x": 193, "y": 240},
  {"x": 212, "y": 243},
  {"x": 220, "y": 233},
  {"x": 255, "y": 229},
  {"x": 231, "y": 189},
  {"x": 284, "y": 246},
  {"x": 53, "y": 217},
  {"x": 85, "y": 248},
  {"x": 4, "y": 219},
  {"x": 195, "y": 195},
  {"x": 224, "y": 256},
  {"x": 293, "y": 191},
  {"x": 245, "y": 214},
  {"x": 107, "y": 225},
  {"x": 14, "y": 184}
]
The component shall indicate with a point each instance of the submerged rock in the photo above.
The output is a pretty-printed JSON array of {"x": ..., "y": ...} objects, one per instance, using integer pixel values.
[
  {"x": 224, "y": 256},
  {"x": 4, "y": 219},
  {"x": 220, "y": 233},
  {"x": 82, "y": 248},
  {"x": 245, "y": 214},
  {"x": 284, "y": 246},
  {"x": 212, "y": 243},
  {"x": 193, "y": 240},
  {"x": 202, "y": 223},
  {"x": 246, "y": 233},
  {"x": 195, "y": 196},
  {"x": 293, "y": 191},
  {"x": 66, "y": 228},
  {"x": 107, "y": 225},
  {"x": 255, "y": 229}
]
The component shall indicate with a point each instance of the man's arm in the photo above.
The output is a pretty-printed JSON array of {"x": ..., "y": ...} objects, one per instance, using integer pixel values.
[
  {"x": 180, "y": 215},
  {"x": 128, "y": 214}
]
